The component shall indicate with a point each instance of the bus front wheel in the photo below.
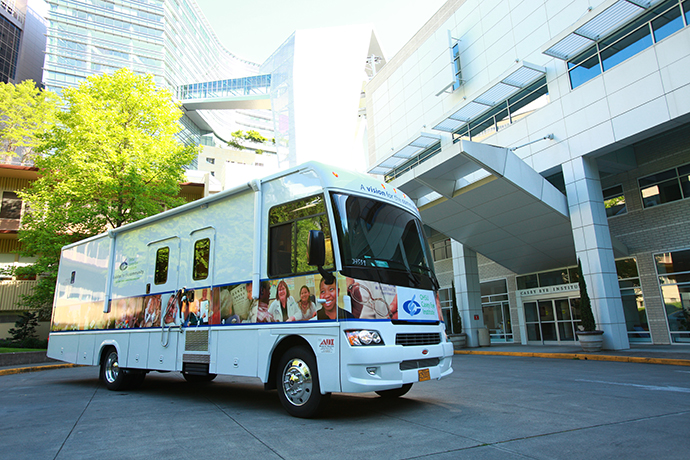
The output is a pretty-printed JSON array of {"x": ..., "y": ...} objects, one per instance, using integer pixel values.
[{"x": 298, "y": 383}]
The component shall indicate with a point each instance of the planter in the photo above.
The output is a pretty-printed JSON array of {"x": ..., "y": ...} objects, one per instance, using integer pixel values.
[
  {"x": 458, "y": 340},
  {"x": 591, "y": 340}
]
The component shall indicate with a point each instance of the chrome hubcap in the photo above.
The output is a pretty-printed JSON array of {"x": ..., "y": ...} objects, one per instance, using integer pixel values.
[
  {"x": 297, "y": 382},
  {"x": 112, "y": 368}
]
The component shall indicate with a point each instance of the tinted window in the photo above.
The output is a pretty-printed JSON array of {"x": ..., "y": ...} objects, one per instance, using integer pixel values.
[
  {"x": 202, "y": 255},
  {"x": 162, "y": 258}
]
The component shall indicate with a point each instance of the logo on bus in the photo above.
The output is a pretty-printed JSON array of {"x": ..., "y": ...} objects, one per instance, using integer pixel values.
[
  {"x": 412, "y": 307},
  {"x": 327, "y": 346}
]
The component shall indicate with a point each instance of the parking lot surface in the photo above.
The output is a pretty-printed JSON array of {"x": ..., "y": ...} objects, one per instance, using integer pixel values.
[{"x": 492, "y": 407}]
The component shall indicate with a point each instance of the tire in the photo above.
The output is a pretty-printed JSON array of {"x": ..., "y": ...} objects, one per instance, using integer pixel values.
[
  {"x": 115, "y": 378},
  {"x": 196, "y": 379},
  {"x": 297, "y": 379},
  {"x": 395, "y": 392}
]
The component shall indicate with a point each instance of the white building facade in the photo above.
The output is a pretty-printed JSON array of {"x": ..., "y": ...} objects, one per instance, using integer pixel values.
[{"x": 532, "y": 134}]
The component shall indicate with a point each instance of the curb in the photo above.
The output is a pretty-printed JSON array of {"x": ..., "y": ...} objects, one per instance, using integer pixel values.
[
  {"x": 23, "y": 370},
  {"x": 583, "y": 356}
]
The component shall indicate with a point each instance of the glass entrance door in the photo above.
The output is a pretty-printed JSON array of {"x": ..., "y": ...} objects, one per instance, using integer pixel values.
[
  {"x": 497, "y": 319},
  {"x": 552, "y": 320}
]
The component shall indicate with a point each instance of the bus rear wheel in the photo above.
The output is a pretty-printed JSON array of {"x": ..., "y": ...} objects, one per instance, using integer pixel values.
[
  {"x": 117, "y": 378},
  {"x": 395, "y": 392},
  {"x": 298, "y": 383}
]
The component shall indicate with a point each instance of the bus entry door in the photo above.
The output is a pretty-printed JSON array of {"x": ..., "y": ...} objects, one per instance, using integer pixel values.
[{"x": 162, "y": 288}]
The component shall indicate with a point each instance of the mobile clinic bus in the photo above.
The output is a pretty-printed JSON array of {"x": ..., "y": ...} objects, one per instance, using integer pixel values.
[{"x": 314, "y": 280}]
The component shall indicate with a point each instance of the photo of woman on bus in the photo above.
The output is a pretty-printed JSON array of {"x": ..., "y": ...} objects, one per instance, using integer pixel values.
[
  {"x": 305, "y": 309},
  {"x": 283, "y": 304}
]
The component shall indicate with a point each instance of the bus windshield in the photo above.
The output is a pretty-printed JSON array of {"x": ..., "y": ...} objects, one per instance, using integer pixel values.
[{"x": 381, "y": 242}]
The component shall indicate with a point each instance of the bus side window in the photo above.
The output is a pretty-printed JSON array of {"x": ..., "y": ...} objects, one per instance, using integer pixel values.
[
  {"x": 289, "y": 226},
  {"x": 202, "y": 255},
  {"x": 162, "y": 259}
]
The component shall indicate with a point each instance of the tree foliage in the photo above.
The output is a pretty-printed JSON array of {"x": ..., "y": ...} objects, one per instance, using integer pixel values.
[
  {"x": 111, "y": 159},
  {"x": 26, "y": 113},
  {"x": 239, "y": 137}
]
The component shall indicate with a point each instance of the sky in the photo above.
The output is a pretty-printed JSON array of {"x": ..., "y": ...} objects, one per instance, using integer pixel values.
[{"x": 254, "y": 29}]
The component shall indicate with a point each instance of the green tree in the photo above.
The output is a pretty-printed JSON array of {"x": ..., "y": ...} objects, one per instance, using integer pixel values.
[
  {"x": 588, "y": 323},
  {"x": 112, "y": 158},
  {"x": 238, "y": 137},
  {"x": 26, "y": 113}
]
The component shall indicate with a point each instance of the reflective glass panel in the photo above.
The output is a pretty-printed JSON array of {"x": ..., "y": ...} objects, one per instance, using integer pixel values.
[
  {"x": 668, "y": 23},
  {"x": 531, "y": 312},
  {"x": 546, "y": 311},
  {"x": 533, "y": 332},
  {"x": 684, "y": 175},
  {"x": 623, "y": 46},
  {"x": 554, "y": 278},
  {"x": 673, "y": 262},
  {"x": 548, "y": 331},
  {"x": 565, "y": 331},
  {"x": 677, "y": 303},
  {"x": 635, "y": 315},
  {"x": 584, "y": 72},
  {"x": 562, "y": 309},
  {"x": 664, "y": 192},
  {"x": 527, "y": 282}
]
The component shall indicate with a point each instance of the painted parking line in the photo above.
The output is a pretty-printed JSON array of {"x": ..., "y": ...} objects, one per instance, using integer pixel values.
[{"x": 643, "y": 387}]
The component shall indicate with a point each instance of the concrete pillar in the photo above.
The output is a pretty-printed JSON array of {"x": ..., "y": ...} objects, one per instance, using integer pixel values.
[
  {"x": 593, "y": 247},
  {"x": 467, "y": 291}
]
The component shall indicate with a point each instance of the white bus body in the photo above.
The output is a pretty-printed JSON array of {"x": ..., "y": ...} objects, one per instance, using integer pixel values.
[{"x": 189, "y": 290}]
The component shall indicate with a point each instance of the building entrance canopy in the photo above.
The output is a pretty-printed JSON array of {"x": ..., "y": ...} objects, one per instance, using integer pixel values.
[{"x": 490, "y": 200}]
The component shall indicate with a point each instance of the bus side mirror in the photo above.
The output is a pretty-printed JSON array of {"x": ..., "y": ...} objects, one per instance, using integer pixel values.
[{"x": 316, "y": 248}]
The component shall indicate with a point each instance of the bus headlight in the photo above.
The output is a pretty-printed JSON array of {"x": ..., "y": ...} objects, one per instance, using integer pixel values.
[{"x": 363, "y": 337}]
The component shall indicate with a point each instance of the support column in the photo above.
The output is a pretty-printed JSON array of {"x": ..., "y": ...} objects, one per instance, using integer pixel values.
[
  {"x": 593, "y": 247},
  {"x": 467, "y": 291}
]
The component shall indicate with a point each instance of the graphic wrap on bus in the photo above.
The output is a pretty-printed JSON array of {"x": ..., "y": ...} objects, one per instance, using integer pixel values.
[{"x": 301, "y": 298}]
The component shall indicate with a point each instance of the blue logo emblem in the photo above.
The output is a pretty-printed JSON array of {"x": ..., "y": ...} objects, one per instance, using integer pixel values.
[{"x": 412, "y": 307}]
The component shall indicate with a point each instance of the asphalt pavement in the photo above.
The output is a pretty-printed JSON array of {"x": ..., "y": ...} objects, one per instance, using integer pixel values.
[{"x": 492, "y": 407}]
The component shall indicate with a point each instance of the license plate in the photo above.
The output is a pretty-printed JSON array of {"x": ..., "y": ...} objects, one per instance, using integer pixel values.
[{"x": 424, "y": 375}]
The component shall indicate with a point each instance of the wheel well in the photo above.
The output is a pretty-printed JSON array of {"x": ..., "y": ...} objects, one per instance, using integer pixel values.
[
  {"x": 103, "y": 352},
  {"x": 284, "y": 345}
]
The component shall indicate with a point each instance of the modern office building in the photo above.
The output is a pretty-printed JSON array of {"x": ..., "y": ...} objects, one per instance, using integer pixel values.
[
  {"x": 169, "y": 39},
  {"x": 22, "y": 40},
  {"x": 538, "y": 133}
]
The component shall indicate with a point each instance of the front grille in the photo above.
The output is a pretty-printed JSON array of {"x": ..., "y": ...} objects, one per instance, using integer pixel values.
[
  {"x": 419, "y": 363},
  {"x": 413, "y": 340}
]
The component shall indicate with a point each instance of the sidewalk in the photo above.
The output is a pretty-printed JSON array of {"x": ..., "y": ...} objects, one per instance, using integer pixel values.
[{"x": 645, "y": 353}]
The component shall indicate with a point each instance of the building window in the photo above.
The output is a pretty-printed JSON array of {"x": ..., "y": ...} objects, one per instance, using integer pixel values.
[
  {"x": 634, "y": 309},
  {"x": 614, "y": 201},
  {"x": 11, "y": 207},
  {"x": 673, "y": 269},
  {"x": 441, "y": 250},
  {"x": 457, "y": 70},
  {"x": 640, "y": 34},
  {"x": 666, "y": 186},
  {"x": 496, "y": 310},
  {"x": 211, "y": 160},
  {"x": 505, "y": 113}
]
